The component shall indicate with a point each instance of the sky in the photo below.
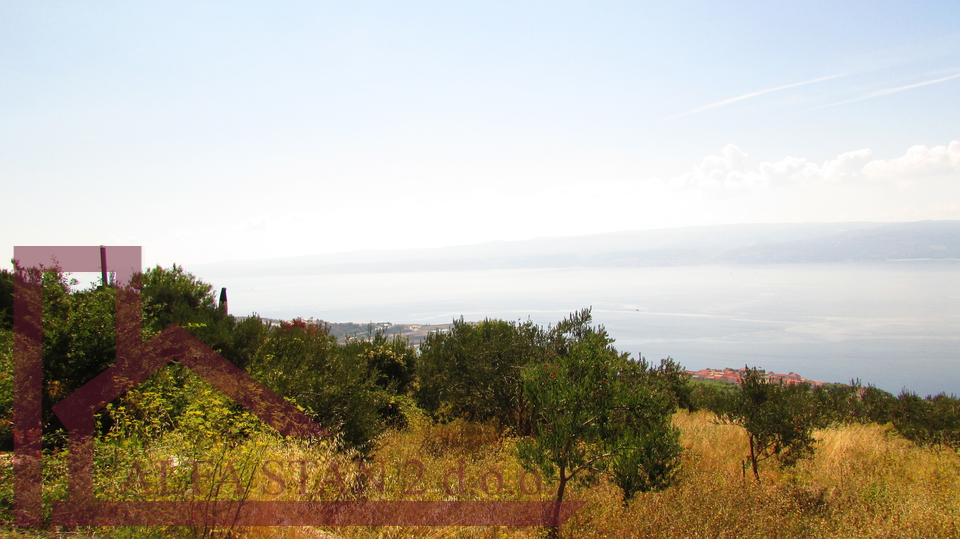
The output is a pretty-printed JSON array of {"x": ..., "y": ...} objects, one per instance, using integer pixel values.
[{"x": 208, "y": 131}]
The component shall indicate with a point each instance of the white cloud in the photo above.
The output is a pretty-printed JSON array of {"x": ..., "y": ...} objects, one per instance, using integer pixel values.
[
  {"x": 919, "y": 162},
  {"x": 729, "y": 171},
  {"x": 846, "y": 165},
  {"x": 717, "y": 173},
  {"x": 789, "y": 170}
]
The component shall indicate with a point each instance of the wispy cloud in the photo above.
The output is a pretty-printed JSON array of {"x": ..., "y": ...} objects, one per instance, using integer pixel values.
[
  {"x": 888, "y": 91},
  {"x": 747, "y": 96}
]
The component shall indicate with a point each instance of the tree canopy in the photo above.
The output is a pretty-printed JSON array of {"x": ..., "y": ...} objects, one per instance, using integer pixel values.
[
  {"x": 473, "y": 371},
  {"x": 779, "y": 418},
  {"x": 594, "y": 410}
]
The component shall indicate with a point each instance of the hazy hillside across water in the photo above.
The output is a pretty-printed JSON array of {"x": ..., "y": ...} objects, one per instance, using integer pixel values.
[
  {"x": 830, "y": 301},
  {"x": 754, "y": 243}
]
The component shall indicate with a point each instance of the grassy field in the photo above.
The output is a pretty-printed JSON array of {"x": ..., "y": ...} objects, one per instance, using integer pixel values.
[{"x": 862, "y": 481}]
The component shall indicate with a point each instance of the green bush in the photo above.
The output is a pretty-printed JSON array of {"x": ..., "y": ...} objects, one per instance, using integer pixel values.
[
  {"x": 932, "y": 421},
  {"x": 779, "y": 418},
  {"x": 852, "y": 403},
  {"x": 595, "y": 411},
  {"x": 6, "y": 299},
  {"x": 302, "y": 362},
  {"x": 6, "y": 390},
  {"x": 709, "y": 395},
  {"x": 473, "y": 371}
]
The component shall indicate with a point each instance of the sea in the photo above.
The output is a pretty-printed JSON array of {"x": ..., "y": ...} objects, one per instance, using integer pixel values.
[{"x": 894, "y": 324}]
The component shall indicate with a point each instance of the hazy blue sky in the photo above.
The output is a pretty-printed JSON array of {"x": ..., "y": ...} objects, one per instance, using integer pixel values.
[{"x": 206, "y": 131}]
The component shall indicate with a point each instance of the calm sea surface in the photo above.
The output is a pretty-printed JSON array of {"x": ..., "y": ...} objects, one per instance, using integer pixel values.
[{"x": 893, "y": 324}]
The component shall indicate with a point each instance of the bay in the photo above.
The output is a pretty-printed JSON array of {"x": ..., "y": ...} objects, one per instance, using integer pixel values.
[{"x": 893, "y": 324}]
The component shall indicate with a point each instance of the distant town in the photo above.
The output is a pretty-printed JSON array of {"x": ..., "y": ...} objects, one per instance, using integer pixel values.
[
  {"x": 732, "y": 376},
  {"x": 350, "y": 330}
]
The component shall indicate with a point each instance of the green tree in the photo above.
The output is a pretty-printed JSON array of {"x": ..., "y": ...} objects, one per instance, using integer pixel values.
[
  {"x": 248, "y": 335},
  {"x": 6, "y": 299},
  {"x": 6, "y": 390},
  {"x": 779, "y": 418},
  {"x": 175, "y": 296},
  {"x": 838, "y": 403},
  {"x": 302, "y": 361},
  {"x": 846, "y": 403},
  {"x": 391, "y": 362},
  {"x": 591, "y": 414},
  {"x": 670, "y": 379},
  {"x": 391, "y": 365},
  {"x": 650, "y": 462},
  {"x": 78, "y": 341},
  {"x": 932, "y": 421},
  {"x": 711, "y": 395},
  {"x": 877, "y": 405},
  {"x": 473, "y": 371}
]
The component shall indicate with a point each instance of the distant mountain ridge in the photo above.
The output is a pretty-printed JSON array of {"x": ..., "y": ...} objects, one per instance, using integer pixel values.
[
  {"x": 731, "y": 244},
  {"x": 900, "y": 241}
]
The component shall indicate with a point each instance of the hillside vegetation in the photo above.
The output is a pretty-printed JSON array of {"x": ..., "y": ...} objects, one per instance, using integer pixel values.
[{"x": 489, "y": 411}]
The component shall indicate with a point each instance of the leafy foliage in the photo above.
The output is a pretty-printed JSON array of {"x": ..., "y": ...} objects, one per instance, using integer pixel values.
[
  {"x": 932, "y": 421},
  {"x": 78, "y": 341},
  {"x": 654, "y": 394},
  {"x": 838, "y": 403},
  {"x": 6, "y": 299},
  {"x": 877, "y": 405},
  {"x": 595, "y": 410},
  {"x": 853, "y": 403},
  {"x": 175, "y": 296},
  {"x": 391, "y": 366},
  {"x": 669, "y": 378},
  {"x": 391, "y": 362},
  {"x": 473, "y": 371},
  {"x": 779, "y": 418},
  {"x": 709, "y": 395},
  {"x": 6, "y": 390},
  {"x": 302, "y": 362}
]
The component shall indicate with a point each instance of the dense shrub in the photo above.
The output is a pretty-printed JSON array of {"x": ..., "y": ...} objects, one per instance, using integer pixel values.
[
  {"x": 6, "y": 390},
  {"x": 877, "y": 406},
  {"x": 301, "y": 361},
  {"x": 175, "y": 296},
  {"x": 853, "y": 403},
  {"x": 473, "y": 371},
  {"x": 6, "y": 299},
  {"x": 838, "y": 403},
  {"x": 391, "y": 362},
  {"x": 596, "y": 411},
  {"x": 778, "y": 418},
  {"x": 668, "y": 377},
  {"x": 932, "y": 421}
]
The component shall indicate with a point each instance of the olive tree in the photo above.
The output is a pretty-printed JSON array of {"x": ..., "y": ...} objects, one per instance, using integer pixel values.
[
  {"x": 591, "y": 416},
  {"x": 779, "y": 418},
  {"x": 473, "y": 371}
]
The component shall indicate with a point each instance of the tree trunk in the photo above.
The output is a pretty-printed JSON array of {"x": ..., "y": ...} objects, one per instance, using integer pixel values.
[
  {"x": 553, "y": 531},
  {"x": 753, "y": 457}
]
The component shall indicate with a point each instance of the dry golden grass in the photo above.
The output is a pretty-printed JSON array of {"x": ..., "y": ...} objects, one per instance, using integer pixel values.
[{"x": 862, "y": 482}]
